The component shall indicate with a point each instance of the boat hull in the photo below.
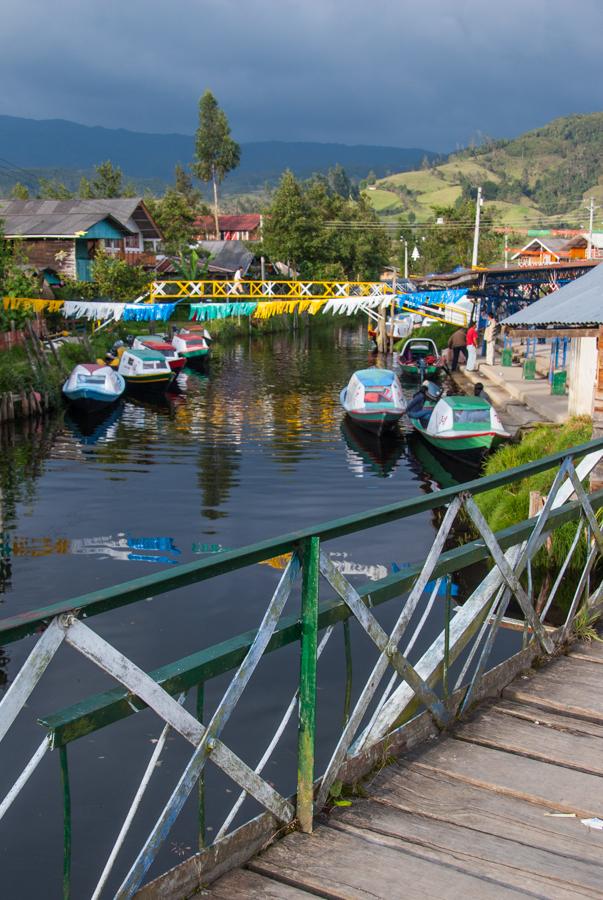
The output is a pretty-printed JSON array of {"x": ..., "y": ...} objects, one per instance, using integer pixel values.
[
  {"x": 468, "y": 448},
  {"x": 375, "y": 421},
  {"x": 413, "y": 372},
  {"x": 148, "y": 385},
  {"x": 88, "y": 401},
  {"x": 196, "y": 359}
]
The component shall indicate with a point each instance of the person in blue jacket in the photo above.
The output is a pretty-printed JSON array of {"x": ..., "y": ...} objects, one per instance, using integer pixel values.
[{"x": 416, "y": 407}]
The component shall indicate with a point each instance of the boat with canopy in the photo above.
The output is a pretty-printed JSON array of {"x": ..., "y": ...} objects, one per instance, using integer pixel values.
[
  {"x": 92, "y": 387},
  {"x": 467, "y": 427},
  {"x": 420, "y": 358},
  {"x": 374, "y": 400}
]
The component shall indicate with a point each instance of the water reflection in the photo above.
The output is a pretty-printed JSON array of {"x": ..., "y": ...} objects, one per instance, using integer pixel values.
[
  {"x": 438, "y": 470},
  {"x": 367, "y": 453}
]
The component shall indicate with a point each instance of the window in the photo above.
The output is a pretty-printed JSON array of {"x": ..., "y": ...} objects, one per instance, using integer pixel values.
[
  {"x": 112, "y": 245},
  {"x": 472, "y": 417},
  {"x": 90, "y": 379},
  {"x": 132, "y": 242}
]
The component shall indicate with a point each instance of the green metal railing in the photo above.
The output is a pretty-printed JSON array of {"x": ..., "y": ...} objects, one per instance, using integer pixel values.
[{"x": 466, "y": 637}]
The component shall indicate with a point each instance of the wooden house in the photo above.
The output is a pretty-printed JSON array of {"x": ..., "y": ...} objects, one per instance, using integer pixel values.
[
  {"x": 542, "y": 251},
  {"x": 62, "y": 237},
  {"x": 246, "y": 227}
]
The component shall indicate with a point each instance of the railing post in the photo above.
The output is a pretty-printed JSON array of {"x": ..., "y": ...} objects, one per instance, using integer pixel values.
[
  {"x": 307, "y": 684},
  {"x": 447, "y": 615},
  {"x": 66, "y": 823},
  {"x": 200, "y": 700}
]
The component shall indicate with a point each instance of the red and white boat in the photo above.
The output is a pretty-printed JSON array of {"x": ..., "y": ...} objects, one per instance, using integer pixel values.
[{"x": 158, "y": 343}]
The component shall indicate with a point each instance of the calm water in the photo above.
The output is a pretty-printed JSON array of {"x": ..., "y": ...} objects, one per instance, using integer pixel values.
[{"x": 254, "y": 449}]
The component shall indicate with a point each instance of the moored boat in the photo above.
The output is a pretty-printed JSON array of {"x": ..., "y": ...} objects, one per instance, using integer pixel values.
[
  {"x": 145, "y": 371},
  {"x": 466, "y": 427},
  {"x": 92, "y": 387},
  {"x": 420, "y": 358},
  {"x": 157, "y": 343},
  {"x": 192, "y": 346},
  {"x": 373, "y": 399}
]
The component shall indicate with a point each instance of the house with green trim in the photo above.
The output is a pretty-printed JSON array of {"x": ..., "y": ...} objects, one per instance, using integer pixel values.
[{"x": 61, "y": 237}]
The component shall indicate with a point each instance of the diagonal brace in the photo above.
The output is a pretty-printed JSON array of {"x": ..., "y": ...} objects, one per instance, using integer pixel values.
[{"x": 508, "y": 573}]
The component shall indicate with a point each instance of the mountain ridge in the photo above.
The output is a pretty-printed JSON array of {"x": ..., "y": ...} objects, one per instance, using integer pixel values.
[{"x": 37, "y": 148}]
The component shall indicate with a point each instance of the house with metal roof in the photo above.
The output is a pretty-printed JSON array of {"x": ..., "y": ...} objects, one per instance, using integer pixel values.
[
  {"x": 246, "y": 227},
  {"x": 541, "y": 251},
  {"x": 574, "y": 311},
  {"x": 64, "y": 236}
]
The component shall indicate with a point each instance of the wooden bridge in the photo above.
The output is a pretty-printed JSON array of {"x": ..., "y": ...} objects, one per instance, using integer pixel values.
[
  {"x": 507, "y": 804},
  {"x": 467, "y": 816}
]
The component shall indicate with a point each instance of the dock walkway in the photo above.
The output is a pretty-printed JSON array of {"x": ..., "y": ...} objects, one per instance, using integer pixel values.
[{"x": 492, "y": 809}]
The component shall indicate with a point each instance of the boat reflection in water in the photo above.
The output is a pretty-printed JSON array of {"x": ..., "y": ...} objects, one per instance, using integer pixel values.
[
  {"x": 121, "y": 546},
  {"x": 368, "y": 453},
  {"x": 442, "y": 467},
  {"x": 93, "y": 427}
]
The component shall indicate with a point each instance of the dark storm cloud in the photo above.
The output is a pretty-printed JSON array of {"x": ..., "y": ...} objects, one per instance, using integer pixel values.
[{"x": 426, "y": 73}]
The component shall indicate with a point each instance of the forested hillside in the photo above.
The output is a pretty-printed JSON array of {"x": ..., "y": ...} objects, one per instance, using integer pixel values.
[{"x": 543, "y": 174}]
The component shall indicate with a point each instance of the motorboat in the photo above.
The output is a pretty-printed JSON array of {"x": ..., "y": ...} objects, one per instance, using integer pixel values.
[
  {"x": 466, "y": 427},
  {"x": 145, "y": 371},
  {"x": 420, "y": 358},
  {"x": 92, "y": 387},
  {"x": 158, "y": 343},
  {"x": 192, "y": 346},
  {"x": 373, "y": 399}
]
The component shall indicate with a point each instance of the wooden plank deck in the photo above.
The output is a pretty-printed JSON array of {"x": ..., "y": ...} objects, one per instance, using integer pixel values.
[{"x": 492, "y": 809}]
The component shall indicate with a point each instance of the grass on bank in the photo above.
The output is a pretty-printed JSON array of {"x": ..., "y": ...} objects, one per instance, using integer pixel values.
[{"x": 510, "y": 506}]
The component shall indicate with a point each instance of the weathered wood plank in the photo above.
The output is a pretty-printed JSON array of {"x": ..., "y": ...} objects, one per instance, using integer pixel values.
[
  {"x": 582, "y": 752},
  {"x": 510, "y": 862},
  {"x": 591, "y": 648},
  {"x": 571, "y": 687},
  {"x": 435, "y": 795},
  {"x": 553, "y": 787},
  {"x": 351, "y": 867},
  {"x": 546, "y": 718},
  {"x": 246, "y": 885}
]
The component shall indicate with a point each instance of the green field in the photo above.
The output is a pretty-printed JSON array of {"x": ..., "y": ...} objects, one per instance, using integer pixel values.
[{"x": 540, "y": 178}]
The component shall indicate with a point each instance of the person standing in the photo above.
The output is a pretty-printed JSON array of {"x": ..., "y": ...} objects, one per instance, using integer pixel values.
[
  {"x": 458, "y": 343},
  {"x": 472, "y": 348},
  {"x": 490, "y": 338},
  {"x": 238, "y": 277}
]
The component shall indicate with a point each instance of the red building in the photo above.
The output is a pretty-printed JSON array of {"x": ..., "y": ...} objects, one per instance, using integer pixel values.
[{"x": 247, "y": 227}]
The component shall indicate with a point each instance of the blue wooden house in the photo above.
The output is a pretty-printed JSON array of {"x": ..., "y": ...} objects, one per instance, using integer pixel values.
[{"x": 62, "y": 237}]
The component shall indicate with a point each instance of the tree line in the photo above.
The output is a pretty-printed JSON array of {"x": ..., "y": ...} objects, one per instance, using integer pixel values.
[{"x": 322, "y": 228}]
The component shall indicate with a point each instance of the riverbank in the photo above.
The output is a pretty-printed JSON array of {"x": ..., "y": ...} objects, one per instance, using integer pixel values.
[{"x": 32, "y": 373}]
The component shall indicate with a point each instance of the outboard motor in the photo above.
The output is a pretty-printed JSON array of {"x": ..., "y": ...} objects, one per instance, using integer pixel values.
[
  {"x": 421, "y": 364},
  {"x": 434, "y": 391}
]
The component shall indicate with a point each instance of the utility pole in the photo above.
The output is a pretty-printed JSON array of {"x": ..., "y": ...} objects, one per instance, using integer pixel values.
[
  {"x": 506, "y": 251},
  {"x": 591, "y": 210},
  {"x": 476, "y": 232},
  {"x": 406, "y": 259}
]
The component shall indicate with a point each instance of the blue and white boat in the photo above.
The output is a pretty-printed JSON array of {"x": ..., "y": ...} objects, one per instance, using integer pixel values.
[
  {"x": 374, "y": 399},
  {"x": 92, "y": 387}
]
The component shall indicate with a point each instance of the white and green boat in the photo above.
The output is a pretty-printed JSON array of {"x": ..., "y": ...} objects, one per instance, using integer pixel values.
[{"x": 465, "y": 427}]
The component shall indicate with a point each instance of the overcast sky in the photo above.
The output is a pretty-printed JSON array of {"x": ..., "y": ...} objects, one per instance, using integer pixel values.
[{"x": 422, "y": 73}]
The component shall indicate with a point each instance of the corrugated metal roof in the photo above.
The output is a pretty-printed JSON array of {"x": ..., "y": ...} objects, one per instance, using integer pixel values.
[
  {"x": 242, "y": 222},
  {"x": 578, "y": 303},
  {"x": 228, "y": 256},
  {"x": 62, "y": 218}
]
